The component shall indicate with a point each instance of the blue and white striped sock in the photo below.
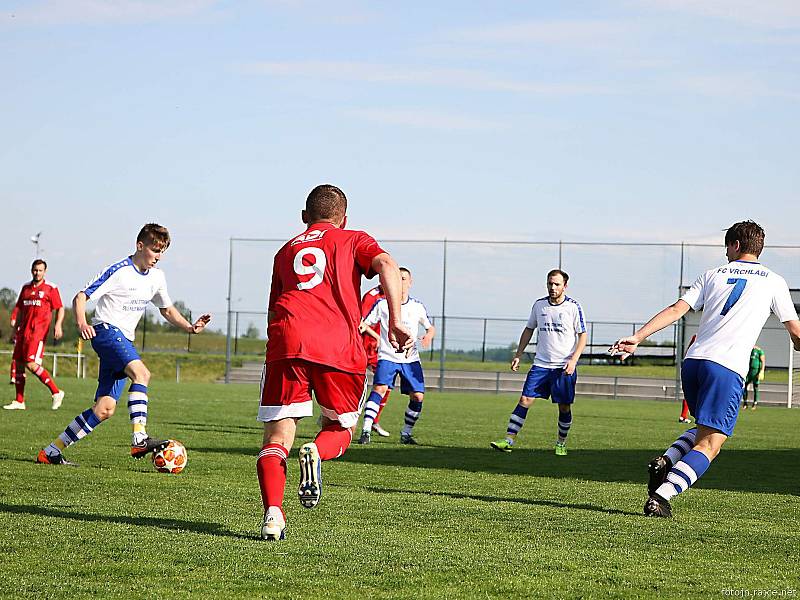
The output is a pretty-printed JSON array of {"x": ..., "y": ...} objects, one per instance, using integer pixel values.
[
  {"x": 412, "y": 414},
  {"x": 81, "y": 426},
  {"x": 515, "y": 422},
  {"x": 564, "y": 423},
  {"x": 137, "y": 409},
  {"x": 681, "y": 446},
  {"x": 371, "y": 409},
  {"x": 683, "y": 475}
]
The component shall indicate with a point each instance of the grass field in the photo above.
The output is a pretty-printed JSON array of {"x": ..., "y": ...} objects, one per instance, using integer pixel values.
[{"x": 448, "y": 519}]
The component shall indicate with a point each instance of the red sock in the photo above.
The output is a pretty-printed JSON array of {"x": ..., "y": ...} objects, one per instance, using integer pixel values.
[
  {"x": 271, "y": 468},
  {"x": 685, "y": 410},
  {"x": 332, "y": 441},
  {"x": 19, "y": 384},
  {"x": 384, "y": 400},
  {"x": 45, "y": 378}
]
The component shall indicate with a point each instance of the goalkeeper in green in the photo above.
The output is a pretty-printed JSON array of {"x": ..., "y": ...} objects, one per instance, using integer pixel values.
[{"x": 755, "y": 375}]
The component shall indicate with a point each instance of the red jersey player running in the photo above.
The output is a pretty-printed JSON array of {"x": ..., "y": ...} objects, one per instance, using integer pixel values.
[
  {"x": 371, "y": 347},
  {"x": 314, "y": 345},
  {"x": 32, "y": 315}
]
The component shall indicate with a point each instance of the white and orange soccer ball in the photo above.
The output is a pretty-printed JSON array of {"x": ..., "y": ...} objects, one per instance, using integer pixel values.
[{"x": 171, "y": 459}]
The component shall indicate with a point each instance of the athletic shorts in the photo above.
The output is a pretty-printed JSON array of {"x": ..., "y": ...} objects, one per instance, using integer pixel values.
[
  {"x": 752, "y": 377},
  {"x": 115, "y": 351},
  {"x": 713, "y": 393},
  {"x": 542, "y": 382},
  {"x": 286, "y": 387},
  {"x": 411, "y": 377},
  {"x": 29, "y": 348}
]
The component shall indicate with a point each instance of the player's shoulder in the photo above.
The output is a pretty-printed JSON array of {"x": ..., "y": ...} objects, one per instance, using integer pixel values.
[
  {"x": 539, "y": 301},
  {"x": 374, "y": 293},
  {"x": 52, "y": 284},
  {"x": 572, "y": 302},
  {"x": 417, "y": 303}
]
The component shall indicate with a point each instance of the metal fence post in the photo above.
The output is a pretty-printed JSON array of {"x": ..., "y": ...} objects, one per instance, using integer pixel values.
[
  {"x": 483, "y": 345},
  {"x": 55, "y": 365},
  {"x": 189, "y": 336},
  {"x": 177, "y": 370},
  {"x": 228, "y": 333}
]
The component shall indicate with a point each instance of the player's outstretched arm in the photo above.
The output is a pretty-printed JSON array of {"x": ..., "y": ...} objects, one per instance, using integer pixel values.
[
  {"x": 389, "y": 275},
  {"x": 174, "y": 317},
  {"x": 427, "y": 339},
  {"x": 626, "y": 346},
  {"x": 793, "y": 327},
  {"x": 579, "y": 348},
  {"x": 79, "y": 308},
  {"x": 364, "y": 328},
  {"x": 58, "y": 331},
  {"x": 524, "y": 340}
]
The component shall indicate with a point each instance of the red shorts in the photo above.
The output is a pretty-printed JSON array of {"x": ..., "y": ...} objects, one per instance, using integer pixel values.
[
  {"x": 29, "y": 349},
  {"x": 286, "y": 387}
]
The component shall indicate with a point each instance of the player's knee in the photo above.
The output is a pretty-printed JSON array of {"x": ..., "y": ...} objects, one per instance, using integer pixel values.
[
  {"x": 417, "y": 396},
  {"x": 31, "y": 366},
  {"x": 142, "y": 375},
  {"x": 103, "y": 410},
  {"x": 525, "y": 401}
]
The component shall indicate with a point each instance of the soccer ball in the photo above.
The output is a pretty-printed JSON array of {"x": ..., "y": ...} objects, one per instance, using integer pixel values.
[{"x": 171, "y": 459}]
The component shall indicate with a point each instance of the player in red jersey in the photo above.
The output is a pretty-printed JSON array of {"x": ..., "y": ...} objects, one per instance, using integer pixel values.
[
  {"x": 314, "y": 345},
  {"x": 371, "y": 348},
  {"x": 34, "y": 311}
]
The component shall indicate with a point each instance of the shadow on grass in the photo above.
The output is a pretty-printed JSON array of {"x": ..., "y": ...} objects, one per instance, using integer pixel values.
[
  {"x": 765, "y": 471},
  {"x": 166, "y": 524},
  {"x": 213, "y": 428},
  {"x": 549, "y": 503}
]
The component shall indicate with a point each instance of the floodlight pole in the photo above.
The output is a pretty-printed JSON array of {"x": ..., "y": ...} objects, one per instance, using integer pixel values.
[
  {"x": 680, "y": 334},
  {"x": 228, "y": 334},
  {"x": 444, "y": 319},
  {"x": 791, "y": 371}
]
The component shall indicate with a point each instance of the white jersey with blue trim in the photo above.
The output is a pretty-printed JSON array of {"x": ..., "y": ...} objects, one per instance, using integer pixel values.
[
  {"x": 736, "y": 300},
  {"x": 558, "y": 327},
  {"x": 122, "y": 293},
  {"x": 412, "y": 313}
]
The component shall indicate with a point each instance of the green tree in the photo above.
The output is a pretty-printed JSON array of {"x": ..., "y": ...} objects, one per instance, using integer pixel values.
[
  {"x": 8, "y": 298},
  {"x": 252, "y": 332}
]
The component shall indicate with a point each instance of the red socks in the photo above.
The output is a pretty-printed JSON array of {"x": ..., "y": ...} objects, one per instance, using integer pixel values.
[
  {"x": 19, "y": 385},
  {"x": 45, "y": 378},
  {"x": 332, "y": 441},
  {"x": 271, "y": 467},
  {"x": 685, "y": 410}
]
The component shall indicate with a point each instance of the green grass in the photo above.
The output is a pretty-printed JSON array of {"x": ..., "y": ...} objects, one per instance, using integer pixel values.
[{"x": 449, "y": 519}]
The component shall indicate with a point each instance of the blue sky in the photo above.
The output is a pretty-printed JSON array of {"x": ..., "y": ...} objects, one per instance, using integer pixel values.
[{"x": 633, "y": 120}]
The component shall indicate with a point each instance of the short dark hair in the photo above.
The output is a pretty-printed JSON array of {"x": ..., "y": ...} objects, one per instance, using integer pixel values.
[
  {"x": 406, "y": 269},
  {"x": 750, "y": 236},
  {"x": 154, "y": 234},
  {"x": 326, "y": 203},
  {"x": 559, "y": 272},
  {"x": 38, "y": 261}
]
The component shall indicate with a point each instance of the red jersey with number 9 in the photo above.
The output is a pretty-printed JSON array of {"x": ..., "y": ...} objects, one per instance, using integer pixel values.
[{"x": 316, "y": 297}]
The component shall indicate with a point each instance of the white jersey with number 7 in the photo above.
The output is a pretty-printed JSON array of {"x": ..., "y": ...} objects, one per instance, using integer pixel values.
[{"x": 736, "y": 300}]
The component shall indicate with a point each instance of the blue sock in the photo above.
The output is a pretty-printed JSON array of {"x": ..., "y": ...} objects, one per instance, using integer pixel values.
[
  {"x": 371, "y": 409},
  {"x": 681, "y": 446},
  {"x": 564, "y": 423},
  {"x": 412, "y": 414},
  {"x": 516, "y": 421},
  {"x": 683, "y": 475},
  {"x": 81, "y": 426}
]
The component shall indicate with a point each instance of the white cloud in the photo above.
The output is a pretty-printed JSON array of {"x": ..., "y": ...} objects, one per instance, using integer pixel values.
[
  {"x": 426, "y": 119},
  {"x": 429, "y": 76},
  {"x": 93, "y": 12},
  {"x": 734, "y": 86},
  {"x": 779, "y": 14},
  {"x": 573, "y": 33}
]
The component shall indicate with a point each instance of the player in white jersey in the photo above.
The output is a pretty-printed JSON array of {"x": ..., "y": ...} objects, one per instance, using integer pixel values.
[
  {"x": 561, "y": 327},
  {"x": 736, "y": 299},
  {"x": 122, "y": 292},
  {"x": 392, "y": 363}
]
